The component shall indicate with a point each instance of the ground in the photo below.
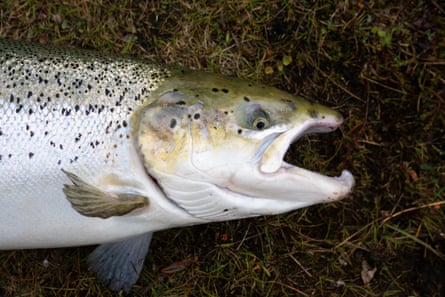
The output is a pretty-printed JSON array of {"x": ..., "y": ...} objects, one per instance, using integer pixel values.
[{"x": 380, "y": 63}]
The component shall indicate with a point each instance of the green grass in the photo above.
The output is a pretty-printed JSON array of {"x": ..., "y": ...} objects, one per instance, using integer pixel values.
[{"x": 380, "y": 64}]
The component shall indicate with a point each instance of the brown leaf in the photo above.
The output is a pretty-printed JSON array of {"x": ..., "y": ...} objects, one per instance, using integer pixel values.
[{"x": 367, "y": 273}]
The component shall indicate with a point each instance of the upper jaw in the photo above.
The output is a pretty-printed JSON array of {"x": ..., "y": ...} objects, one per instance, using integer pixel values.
[{"x": 272, "y": 159}]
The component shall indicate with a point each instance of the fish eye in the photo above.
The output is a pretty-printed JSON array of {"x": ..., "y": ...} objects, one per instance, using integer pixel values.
[{"x": 255, "y": 118}]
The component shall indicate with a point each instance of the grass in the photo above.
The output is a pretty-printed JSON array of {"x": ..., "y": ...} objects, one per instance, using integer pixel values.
[{"x": 381, "y": 64}]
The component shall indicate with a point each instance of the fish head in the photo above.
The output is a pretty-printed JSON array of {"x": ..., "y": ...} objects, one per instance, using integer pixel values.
[{"x": 216, "y": 147}]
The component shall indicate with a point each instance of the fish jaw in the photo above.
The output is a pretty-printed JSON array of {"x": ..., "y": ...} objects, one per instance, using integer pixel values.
[
  {"x": 268, "y": 175},
  {"x": 292, "y": 188}
]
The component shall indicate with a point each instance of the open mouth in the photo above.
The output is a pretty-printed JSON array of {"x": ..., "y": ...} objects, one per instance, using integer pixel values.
[{"x": 272, "y": 161}]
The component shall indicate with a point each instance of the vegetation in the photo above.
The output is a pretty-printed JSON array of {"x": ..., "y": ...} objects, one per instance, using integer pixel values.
[{"x": 381, "y": 63}]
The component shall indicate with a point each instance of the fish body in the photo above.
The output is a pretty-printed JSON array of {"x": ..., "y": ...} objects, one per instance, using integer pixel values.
[
  {"x": 69, "y": 109},
  {"x": 100, "y": 149}
]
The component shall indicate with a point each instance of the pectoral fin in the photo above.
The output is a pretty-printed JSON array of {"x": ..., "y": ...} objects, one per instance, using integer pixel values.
[
  {"x": 119, "y": 264},
  {"x": 90, "y": 201}
]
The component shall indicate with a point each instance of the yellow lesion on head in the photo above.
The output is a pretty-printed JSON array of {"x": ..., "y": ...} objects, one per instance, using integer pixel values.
[
  {"x": 161, "y": 136},
  {"x": 209, "y": 129}
]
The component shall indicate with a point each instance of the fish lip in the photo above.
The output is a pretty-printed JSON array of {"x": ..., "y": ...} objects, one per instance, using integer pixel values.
[{"x": 336, "y": 186}]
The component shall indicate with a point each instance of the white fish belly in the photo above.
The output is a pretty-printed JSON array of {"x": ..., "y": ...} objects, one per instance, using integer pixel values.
[{"x": 33, "y": 209}]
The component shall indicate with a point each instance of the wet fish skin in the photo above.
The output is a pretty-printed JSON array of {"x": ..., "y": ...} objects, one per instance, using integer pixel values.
[{"x": 66, "y": 109}]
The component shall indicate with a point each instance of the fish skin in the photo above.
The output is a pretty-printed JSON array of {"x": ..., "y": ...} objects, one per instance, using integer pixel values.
[
  {"x": 69, "y": 109},
  {"x": 41, "y": 85},
  {"x": 136, "y": 130}
]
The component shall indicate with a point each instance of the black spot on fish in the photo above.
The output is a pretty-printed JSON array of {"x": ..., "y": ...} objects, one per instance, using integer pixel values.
[
  {"x": 119, "y": 102},
  {"x": 225, "y": 91},
  {"x": 180, "y": 102},
  {"x": 175, "y": 90},
  {"x": 215, "y": 90},
  {"x": 240, "y": 131},
  {"x": 172, "y": 123},
  {"x": 101, "y": 108},
  {"x": 124, "y": 123},
  {"x": 30, "y": 155},
  {"x": 247, "y": 99},
  {"x": 74, "y": 160},
  {"x": 107, "y": 129},
  {"x": 90, "y": 108},
  {"x": 196, "y": 116}
]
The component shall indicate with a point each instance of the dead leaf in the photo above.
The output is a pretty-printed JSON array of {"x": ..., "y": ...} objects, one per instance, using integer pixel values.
[
  {"x": 268, "y": 70},
  {"x": 367, "y": 273},
  {"x": 180, "y": 265}
]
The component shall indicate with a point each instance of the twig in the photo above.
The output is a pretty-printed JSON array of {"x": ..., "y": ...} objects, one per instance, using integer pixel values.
[
  {"x": 301, "y": 266},
  {"x": 433, "y": 204}
]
